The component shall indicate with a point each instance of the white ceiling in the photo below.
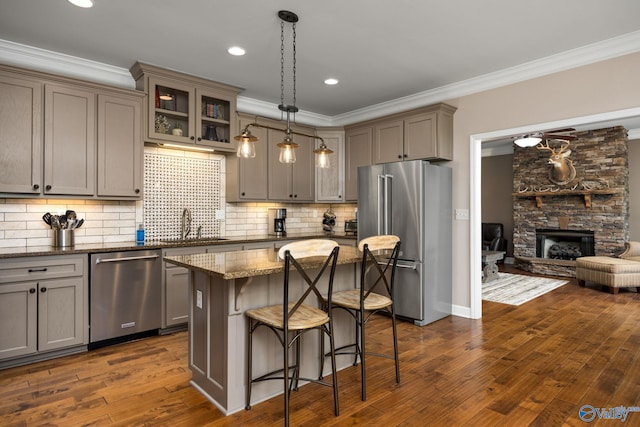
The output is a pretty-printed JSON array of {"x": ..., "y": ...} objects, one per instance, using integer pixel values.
[{"x": 380, "y": 51}]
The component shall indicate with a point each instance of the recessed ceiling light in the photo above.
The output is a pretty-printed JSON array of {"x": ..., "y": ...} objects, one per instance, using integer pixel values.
[
  {"x": 236, "y": 51},
  {"x": 331, "y": 82},
  {"x": 82, "y": 3}
]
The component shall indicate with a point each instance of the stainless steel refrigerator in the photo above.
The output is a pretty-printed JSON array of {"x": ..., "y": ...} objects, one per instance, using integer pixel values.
[{"x": 412, "y": 200}]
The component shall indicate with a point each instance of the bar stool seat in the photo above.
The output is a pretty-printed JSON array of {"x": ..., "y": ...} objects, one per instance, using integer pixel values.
[
  {"x": 305, "y": 317},
  {"x": 351, "y": 299}
]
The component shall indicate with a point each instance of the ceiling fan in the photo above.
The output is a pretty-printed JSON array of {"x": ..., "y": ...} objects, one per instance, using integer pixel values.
[{"x": 532, "y": 139}]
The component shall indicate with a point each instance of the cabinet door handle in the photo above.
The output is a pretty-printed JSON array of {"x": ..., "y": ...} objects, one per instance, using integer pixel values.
[
  {"x": 32, "y": 290},
  {"x": 399, "y": 156},
  {"x": 37, "y": 270},
  {"x": 137, "y": 191},
  {"x": 48, "y": 187},
  {"x": 192, "y": 138},
  {"x": 295, "y": 196},
  {"x": 405, "y": 155},
  {"x": 290, "y": 195},
  {"x": 199, "y": 139},
  {"x": 43, "y": 289},
  {"x": 36, "y": 186},
  {"x": 242, "y": 194}
]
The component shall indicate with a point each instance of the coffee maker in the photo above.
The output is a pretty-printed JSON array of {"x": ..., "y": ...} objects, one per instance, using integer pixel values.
[{"x": 277, "y": 219}]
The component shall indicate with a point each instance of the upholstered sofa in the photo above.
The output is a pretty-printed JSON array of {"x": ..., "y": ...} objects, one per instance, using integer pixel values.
[{"x": 618, "y": 272}]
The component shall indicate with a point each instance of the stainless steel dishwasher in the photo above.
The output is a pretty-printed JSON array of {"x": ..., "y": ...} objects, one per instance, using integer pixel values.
[{"x": 125, "y": 293}]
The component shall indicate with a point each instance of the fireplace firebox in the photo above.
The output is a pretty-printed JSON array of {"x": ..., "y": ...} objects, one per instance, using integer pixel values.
[{"x": 564, "y": 244}]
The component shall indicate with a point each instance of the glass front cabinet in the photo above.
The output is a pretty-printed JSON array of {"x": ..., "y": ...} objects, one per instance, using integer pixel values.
[{"x": 187, "y": 110}]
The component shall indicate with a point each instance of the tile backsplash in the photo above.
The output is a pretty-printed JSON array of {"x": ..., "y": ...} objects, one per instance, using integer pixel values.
[
  {"x": 178, "y": 180},
  {"x": 173, "y": 180}
]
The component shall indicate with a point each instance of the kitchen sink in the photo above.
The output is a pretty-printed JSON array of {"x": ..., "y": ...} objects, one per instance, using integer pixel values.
[{"x": 195, "y": 240}]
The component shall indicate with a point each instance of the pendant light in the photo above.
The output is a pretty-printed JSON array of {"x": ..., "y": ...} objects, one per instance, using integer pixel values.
[
  {"x": 246, "y": 146},
  {"x": 322, "y": 156},
  {"x": 287, "y": 146}
]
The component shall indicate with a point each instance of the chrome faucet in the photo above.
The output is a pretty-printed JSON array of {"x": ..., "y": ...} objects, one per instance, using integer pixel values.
[{"x": 185, "y": 225}]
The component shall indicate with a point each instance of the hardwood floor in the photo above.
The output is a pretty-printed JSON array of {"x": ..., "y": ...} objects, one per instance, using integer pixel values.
[{"x": 535, "y": 364}]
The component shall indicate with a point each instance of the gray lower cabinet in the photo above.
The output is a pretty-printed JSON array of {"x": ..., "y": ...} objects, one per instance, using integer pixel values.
[
  {"x": 175, "y": 295},
  {"x": 43, "y": 305}
]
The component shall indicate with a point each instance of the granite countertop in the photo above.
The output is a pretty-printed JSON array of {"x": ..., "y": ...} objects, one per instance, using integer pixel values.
[
  {"x": 256, "y": 262},
  {"x": 22, "y": 251}
]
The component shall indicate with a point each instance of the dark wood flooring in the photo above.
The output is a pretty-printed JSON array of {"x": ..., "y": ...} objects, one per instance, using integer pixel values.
[{"x": 532, "y": 365}]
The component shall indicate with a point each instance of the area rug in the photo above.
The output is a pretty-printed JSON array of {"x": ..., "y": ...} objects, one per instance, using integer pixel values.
[{"x": 516, "y": 289}]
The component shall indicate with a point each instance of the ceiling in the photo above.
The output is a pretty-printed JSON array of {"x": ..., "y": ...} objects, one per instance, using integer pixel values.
[{"x": 380, "y": 51}]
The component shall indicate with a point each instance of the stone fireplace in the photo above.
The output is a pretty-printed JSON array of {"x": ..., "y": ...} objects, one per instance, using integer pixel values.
[{"x": 587, "y": 216}]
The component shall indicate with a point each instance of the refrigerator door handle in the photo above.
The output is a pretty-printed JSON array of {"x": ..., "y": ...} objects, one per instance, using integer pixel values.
[
  {"x": 412, "y": 266},
  {"x": 387, "y": 203},
  {"x": 382, "y": 184},
  {"x": 401, "y": 264}
]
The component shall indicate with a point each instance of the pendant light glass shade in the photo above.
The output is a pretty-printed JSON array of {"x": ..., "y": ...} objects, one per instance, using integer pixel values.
[
  {"x": 246, "y": 144},
  {"x": 287, "y": 150},
  {"x": 322, "y": 157}
]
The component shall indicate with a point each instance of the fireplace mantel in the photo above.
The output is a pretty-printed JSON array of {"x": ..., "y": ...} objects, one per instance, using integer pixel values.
[{"x": 586, "y": 194}]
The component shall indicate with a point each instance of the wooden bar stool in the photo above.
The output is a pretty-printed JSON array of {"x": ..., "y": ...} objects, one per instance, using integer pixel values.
[
  {"x": 375, "y": 295},
  {"x": 290, "y": 320}
]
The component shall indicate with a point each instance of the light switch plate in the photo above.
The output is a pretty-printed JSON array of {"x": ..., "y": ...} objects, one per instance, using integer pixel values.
[
  {"x": 462, "y": 214},
  {"x": 199, "y": 299}
]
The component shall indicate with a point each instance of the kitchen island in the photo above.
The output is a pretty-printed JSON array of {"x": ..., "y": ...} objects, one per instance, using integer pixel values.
[{"x": 222, "y": 286}]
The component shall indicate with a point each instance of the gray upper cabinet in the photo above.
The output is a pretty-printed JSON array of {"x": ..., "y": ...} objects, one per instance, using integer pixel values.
[
  {"x": 187, "y": 110},
  {"x": 69, "y": 141},
  {"x": 247, "y": 178},
  {"x": 358, "y": 152},
  {"x": 421, "y": 134},
  {"x": 292, "y": 182},
  {"x": 65, "y": 138},
  {"x": 120, "y": 147},
  {"x": 20, "y": 135},
  {"x": 330, "y": 181}
]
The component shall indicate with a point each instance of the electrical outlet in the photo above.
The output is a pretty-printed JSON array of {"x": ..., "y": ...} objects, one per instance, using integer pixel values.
[
  {"x": 219, "y": 213},
  {"x": 315, "y": 213},
  {"x": 462, "y": 214},
  {"x": 199, "y": 299}
]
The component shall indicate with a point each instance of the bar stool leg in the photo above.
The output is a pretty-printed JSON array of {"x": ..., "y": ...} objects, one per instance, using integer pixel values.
[
  {"x": 334, "y": 372},
  {"x": 285, "y": 376},
  {"x": 395, "y": 345},
  {"x": 249, "y": 363},
  {"x": 362, "y": 354}
]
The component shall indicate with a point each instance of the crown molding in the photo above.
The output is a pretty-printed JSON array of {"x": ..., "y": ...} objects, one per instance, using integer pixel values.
[
  {"x": 596, "y": 52},
  {"x": 267, "y": 109},
  {"x": 53, "y": 62},
  {"x": 59, "y": 63}
]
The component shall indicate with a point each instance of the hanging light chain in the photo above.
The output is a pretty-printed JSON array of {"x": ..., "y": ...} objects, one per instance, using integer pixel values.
[
  {"x": 281, "y": 67},
  {"x": 294, "y": 66}
]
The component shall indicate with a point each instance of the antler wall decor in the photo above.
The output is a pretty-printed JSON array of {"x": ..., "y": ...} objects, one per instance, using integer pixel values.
[{"x": 562, "y": 170}]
